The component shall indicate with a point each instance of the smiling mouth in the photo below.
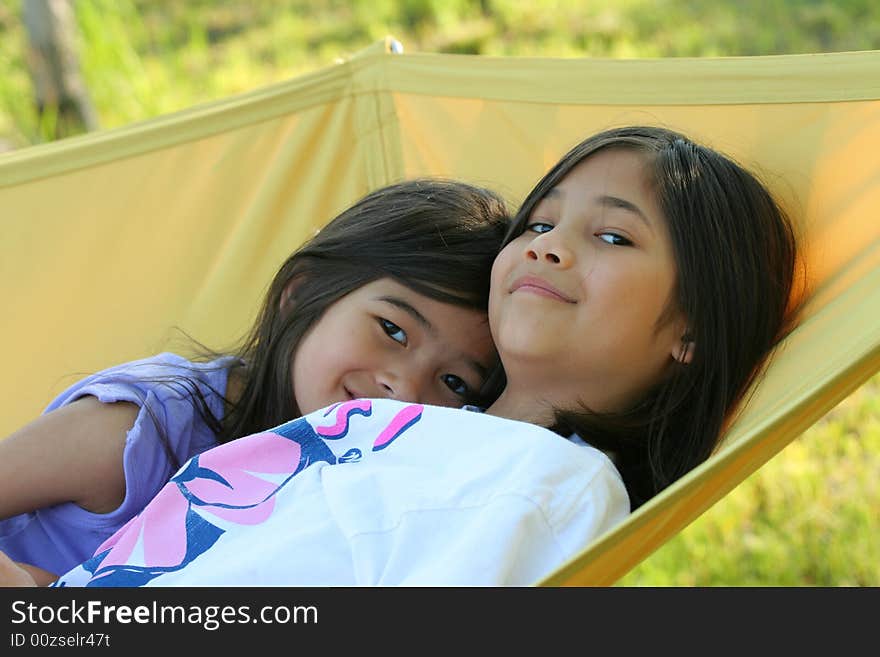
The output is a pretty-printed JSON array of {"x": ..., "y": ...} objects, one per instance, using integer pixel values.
[{"x": 540, "y": 288}]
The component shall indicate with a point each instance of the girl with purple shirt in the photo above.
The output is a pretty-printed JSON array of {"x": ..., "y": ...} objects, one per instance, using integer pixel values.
[{"x": 387, "y": 300}]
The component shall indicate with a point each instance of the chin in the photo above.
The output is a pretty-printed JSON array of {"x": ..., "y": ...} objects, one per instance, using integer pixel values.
[
  {"x": 310, "y": 406},
  {"x": 527, "y": 341}
]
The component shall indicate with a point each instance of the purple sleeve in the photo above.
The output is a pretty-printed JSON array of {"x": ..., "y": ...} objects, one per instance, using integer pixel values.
[
  {"x": 146, "y": 459},
  {"x": 55, "y": 538}
]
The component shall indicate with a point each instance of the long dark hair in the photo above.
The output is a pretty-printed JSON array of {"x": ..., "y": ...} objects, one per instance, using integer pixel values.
[
  {"x": 735, "y": 254},
  {"x": 438, "y": 237}
]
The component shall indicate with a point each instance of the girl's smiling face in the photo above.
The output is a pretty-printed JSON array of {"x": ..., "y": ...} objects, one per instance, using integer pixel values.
[
  {"x": 577, "y": 301},
  {"x": 386, "y": 340}
]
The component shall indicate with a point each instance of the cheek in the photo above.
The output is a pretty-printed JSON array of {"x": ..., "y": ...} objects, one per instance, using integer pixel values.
[
  {"x": 499, "y": 266},
  {"x": 481, "y": 344},
  {"x": 641, "y": 310},
  {"x": 315, "y": 355},
  {"x": 622, "y": 304},
  {"x": 302, "y": 359},
  {"x": 303, "y": 366},
  {"x": 500, "y": 270},
  {"x": 643, "y": 285}
]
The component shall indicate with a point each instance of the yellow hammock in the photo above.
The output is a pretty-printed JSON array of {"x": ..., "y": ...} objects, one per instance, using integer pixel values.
[{"x": 111, "y": 239}]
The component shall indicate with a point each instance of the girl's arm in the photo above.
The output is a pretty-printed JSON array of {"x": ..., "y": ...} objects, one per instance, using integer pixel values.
[
  {"x": 38, "y": 576},
  {"x": 15, "y": 574},
  {"x": 71, "y": 454}
]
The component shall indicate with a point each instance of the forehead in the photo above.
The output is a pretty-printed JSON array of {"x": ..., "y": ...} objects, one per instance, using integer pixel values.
[
  {"x": 385, "y": 285},
  {"x": 611, "y": 179},
  {"x": 611, "y": 169},
  {"x": 431, "y": 314}
]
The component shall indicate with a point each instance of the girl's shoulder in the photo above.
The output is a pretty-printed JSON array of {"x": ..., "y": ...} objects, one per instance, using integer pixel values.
[
  {"x": 169, "y": 363},
  {"x": 166, "y": 376}
]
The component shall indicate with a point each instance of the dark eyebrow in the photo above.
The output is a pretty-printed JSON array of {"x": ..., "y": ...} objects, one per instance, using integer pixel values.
[
  {"x": 617, "y": 202},
  {"x": 483, "y": 372},
  {"x": 607, "y": 201},
  {"x": 406, "y": 307},
  {"x": 410, "y": 310}
]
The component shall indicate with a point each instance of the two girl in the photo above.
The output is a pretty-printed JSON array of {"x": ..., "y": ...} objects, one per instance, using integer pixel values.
[
  {"x": 387, "y": 300},
  {"x": 643, "y": 285}
]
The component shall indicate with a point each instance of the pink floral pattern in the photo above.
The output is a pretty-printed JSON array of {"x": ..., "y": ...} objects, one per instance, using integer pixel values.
[{"x": 234, "y": 483}]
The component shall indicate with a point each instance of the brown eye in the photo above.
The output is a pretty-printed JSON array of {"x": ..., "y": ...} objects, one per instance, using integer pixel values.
[
  {"x": 456, "y": 384},
  {"x": 393, "y": 331},
  {"x": 539, "y": 227},
  {"x": 615, "y": 239}
]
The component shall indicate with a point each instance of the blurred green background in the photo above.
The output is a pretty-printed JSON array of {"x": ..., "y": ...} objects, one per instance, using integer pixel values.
[{"x": 807, "y": 518}]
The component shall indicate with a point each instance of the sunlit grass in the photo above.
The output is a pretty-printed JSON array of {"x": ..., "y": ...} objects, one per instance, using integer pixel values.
[
  {"x": 806, "y": 518},
  {"x": 142, "y": 58}
]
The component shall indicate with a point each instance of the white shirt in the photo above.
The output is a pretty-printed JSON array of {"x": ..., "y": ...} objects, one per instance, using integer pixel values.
[{"x": 371, "y": 492}]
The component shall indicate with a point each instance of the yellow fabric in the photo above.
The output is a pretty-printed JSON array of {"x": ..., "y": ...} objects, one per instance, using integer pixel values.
[{"x": 112, "y": 239}]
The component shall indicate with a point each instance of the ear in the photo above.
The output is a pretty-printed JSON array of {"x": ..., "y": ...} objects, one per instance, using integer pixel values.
[
  {"x": 289, "y": 291},
  {"x": 683, "y": 351}
]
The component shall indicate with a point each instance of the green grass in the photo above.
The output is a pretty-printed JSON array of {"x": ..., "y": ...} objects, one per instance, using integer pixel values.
[
  {"x": 143, "y": 58},
  {"x": 808, "y": 517}
]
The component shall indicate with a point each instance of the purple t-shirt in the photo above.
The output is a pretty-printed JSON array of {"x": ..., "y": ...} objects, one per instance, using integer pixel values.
[{"x": 59, "y": 537}]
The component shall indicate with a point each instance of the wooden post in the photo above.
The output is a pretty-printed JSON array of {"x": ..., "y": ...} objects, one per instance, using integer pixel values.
[{"x": 54, "y": 66}]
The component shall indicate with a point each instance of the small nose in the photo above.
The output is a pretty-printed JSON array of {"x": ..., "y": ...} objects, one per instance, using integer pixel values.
[
  {"x": 401, "y": 386},
  {"x": 551, "y": 250}
]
